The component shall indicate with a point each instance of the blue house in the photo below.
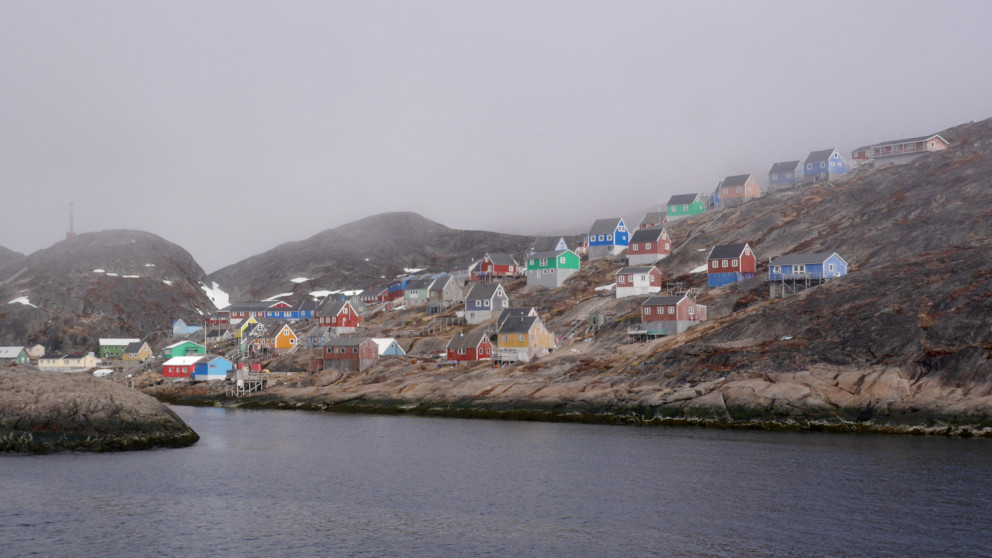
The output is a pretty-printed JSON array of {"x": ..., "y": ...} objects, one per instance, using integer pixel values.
[
  {"x": 211, "y": 368},
  {"x": 180, "y": 328},
  {"x": 387, "y": 346},
  {"x": 282, "y": 313},
  {"x": 825, "y": 265},
  {"x": 607, "y": 238},
  {"x": 785, "y": 174},
  {"x": 823, "y": 165}
]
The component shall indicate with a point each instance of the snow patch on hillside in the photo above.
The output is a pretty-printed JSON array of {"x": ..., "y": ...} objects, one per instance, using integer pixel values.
[
  {"x": 413, "y": 269},
  {"x": 609, "y": 287},
  {"x": 216, "y": 295},
  {"x": 99, "y": 271},
  {"x": 167, "y": 282},
  {"x": 300, "y": 280},
  {"x": 22, "y": 300},
  {"x": 275, "y": 298},
  {"x": 700, "y": 269}
]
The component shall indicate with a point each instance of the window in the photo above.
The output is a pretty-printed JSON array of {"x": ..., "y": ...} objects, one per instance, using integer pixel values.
[
  {"x": 671, "y": 309},
  {"x": 609, "y": 237},
  {"x": 733, "y": 263},
  {"x": 715, "y": 264},
  {"x": 592, "y": 238},
  {"x": 544, "y": 262},
  {"x": 723, "y": 263},
  {"x": 620, "y": 279},
  {"x": 809, "y": 166},
  {"x": 520, "y": 337},
  {"x": 600, "y": 238},
  {"x": 354, "y": 349},
  {"x": 726, "y": 191},
  {"x": 685, "y": 208},
  {"x": 644, "y": 277},
  {"x": 561, "y": 259},
  {"x": 738, "y": 189},
  {"x": 647, "y": 246},
  {"x": 461, "y": 351},
  {"x": 342, "y": 350},
  {"x": 505, "y": 337},
  {"x": 933, "y": 144},
  {"x": 485, "y": 303},
  {"x": 830, "y": 267},
  {"x": 622, "y": 228},
  {"x": 776, "y": 269},
  {"x": 334, "y": 319},
  {"x": 692, "y": 310},
  {"x": 823, "y": 165},
  {"x": 667, "y": 246},
  {"x": 532, "y": 262},
  {"x": 647, "y": 310},
  {"x": 774, "y": 177}
]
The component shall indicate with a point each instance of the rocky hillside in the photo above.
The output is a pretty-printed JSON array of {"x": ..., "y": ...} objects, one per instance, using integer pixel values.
[
  {"x": 903, "y": 341},
  {"x": 107, "y": 284},
  {"x": 361, "y": 254},
  {"x": 9, "y": 261}
]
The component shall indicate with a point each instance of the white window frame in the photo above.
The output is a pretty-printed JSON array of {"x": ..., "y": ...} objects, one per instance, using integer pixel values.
[
  {"x": 733, "y": 263},
  {"x": 671, "y": 309},
  {"x": 723, "y": 263}
]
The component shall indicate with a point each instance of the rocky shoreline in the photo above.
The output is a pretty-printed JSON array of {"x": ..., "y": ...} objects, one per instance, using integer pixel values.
[{"x": 46, "y": 412}]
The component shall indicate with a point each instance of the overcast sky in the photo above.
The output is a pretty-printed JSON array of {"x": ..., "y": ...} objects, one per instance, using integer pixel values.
[{"x": 231, "y": 127}]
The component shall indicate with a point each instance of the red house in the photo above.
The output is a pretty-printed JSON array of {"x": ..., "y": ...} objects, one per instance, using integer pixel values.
[
  {"x": 243, "y": 310},
  {"x": 729, "y": 263},
  {"x": 340, "y": 316},
  {"x": 375, "y": 295},
  {"x": 471, "y": 346},
  {"x": 671, "y": 315},
  {"x": 497, "y": 265},
  {"x": 180, "y": 367},
  {"x": 647, "y": 246},
  {"x": 350, "y": 354},
  {"x": 219, "y": 318}
]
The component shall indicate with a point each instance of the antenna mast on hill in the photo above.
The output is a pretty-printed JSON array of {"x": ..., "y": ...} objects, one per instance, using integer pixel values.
[{"x": 71, "y": 234}]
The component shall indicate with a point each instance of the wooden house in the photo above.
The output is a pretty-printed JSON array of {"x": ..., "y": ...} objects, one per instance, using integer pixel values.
[
  {"x": 114, "y": 347},
  {"x": 648, "y": 246},
  {"x": 211, "y": 369},
  {"x": 66, "y": 363},
  {"x": 14, "y": 354},
  {"x": 497, "y": 265},
  {"x": 898, "y": 152},
  {"x": 417, "y": 292},
  {"x": 182, "y": 329},
  {"x": 551, "y": 269},
  {"x": 374, "y": 295},
  {"x": 607, "y": 238},
  {"x": 340, "y": 316},
  {"x": 240, "y": 311},
  {"x": 652, "y": 220},
  {"x": 276, "y": 339},
  {"x": 388, "y": 346},
  {"x": 137, "y": 352},
  {"x": 823, "y": 165},
  {"x": 306, "y": 309},
  {"x": 180, "y": 366},
  {"x": 670, "y": 315},
  {"x": 785, "y": 175},
  {"x": 522, "y": 339},
  {"x": 794, "y": 272},
  {"x": 350, "y": 354},
  {"x": 470, "y": 346},
  {"x": 445, "y": 291},
  {"x": 685, "y": 205},
  {"x": 635, "y": 281},
  {"x": 729, "y": 263},
  {"x": 484, "y": 299},
  {"x": 219, "y": 318},
  {"x": 183, "y": 348},
  {"x": 737, "y": 189}
]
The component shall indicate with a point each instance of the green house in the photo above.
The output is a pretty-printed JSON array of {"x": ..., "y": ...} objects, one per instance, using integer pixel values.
[
  {"x": 685, "y": 205},
  {"x": 114, "y": 348},
  {"x": 14, "y": 354},
  {"x": 551, "y": 269},
  {"x": 184, "y": 348}
]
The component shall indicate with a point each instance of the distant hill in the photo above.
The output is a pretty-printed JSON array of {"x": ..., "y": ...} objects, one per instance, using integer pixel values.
[
  {"x": 9, "y": 261},
  {"x": 367, "y": 252},
  {"x": 104, "y": 284}
]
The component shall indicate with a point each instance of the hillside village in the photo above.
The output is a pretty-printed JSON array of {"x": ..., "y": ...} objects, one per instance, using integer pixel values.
[
  {"x": 473, "y": 302},
  {"x": 571, "y": 309}
]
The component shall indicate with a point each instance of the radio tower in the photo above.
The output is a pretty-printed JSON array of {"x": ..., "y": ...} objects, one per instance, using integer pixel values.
[{"x": 71, "y": 234}]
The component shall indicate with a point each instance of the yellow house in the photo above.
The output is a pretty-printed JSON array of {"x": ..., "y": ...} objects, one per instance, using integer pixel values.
[
  {"x": 278, "y": 338},
  {"x": 523, "y": 338},
  {"x": 137, "y": 351},
  {"x": 68, "y": 362},
  {"x": 250, "y": 320}
]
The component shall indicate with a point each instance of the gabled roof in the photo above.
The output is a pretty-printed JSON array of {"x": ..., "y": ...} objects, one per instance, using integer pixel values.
[
  {"x": 117, "y": 342},
  {"x": 809, "y": 258},
  {"x": 481, "y": 291},
  {"x": 501, "y": 258},
  {"x": 308, "y": 305},
  {"x": 417, "y": 284},
  {"x": 819, "y": 156},
  {"x": 174, "y": 345},
  {"x": 441, "y": 282},
  {"x": 663, "y": 300},
  {"x": 785, "y": 166},
  {"x": 646, "y": 235},
  {"x": 346, "y": 341},
  {"x": 10, "y": 352},
  {"x": 653, "y": 218},
  {"x": 134, "y": 347},
  {"x": 639, "y": 269},
  {"x": 518, "y": 324},
  {"x": 383, "y": 343},
  {"x": 249, "y": 306},
  {"x": 515, "y": 313},
  {"x": 466, "y": 340},
  {"x": 726, "y": 251},
  {"x": 683, "y": 199},
  {"x": 333, "y": 307},
  {"x": 605, "y": 226},
  {"x": 736, "y": 180},
  {"x": 546, "y": 243}
]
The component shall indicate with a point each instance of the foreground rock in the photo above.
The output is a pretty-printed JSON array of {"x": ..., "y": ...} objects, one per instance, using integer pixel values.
[{"x": 42, "y": 412}]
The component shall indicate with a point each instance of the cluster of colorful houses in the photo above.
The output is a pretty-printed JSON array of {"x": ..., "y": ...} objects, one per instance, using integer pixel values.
[{"x": 518, "y": 334}]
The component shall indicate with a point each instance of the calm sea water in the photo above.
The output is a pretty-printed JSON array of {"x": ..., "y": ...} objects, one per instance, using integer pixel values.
[{"x": 275, "y": 483}]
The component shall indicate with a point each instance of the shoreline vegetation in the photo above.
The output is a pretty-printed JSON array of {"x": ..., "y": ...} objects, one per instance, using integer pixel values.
[{"x": 917, "y": 424}]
